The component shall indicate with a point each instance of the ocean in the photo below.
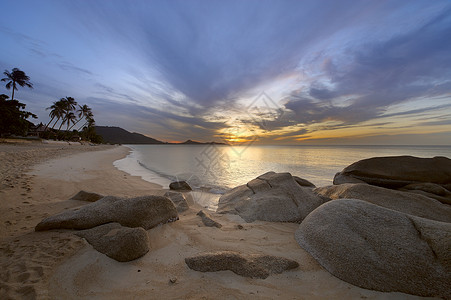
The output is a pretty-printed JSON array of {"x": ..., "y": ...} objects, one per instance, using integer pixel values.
[{"x": 213, "y": 169}]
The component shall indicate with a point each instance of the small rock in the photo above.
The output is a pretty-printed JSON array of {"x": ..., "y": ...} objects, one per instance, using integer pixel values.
[
  {"x": 180, "y": 185},
  {"x": 254, "y": 266},
  {"x": 86, "y": 196},
  {"x": 179, "y": 200},
  {"x": 207, "y": 220}
]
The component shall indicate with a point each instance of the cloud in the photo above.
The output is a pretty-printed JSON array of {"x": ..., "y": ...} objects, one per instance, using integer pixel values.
[
  {"x": 376, "y": 75},
  {"x": 160, "y": 124},
  {"x": 211, "y": 51},
  {"x": 67, "y": 66}
]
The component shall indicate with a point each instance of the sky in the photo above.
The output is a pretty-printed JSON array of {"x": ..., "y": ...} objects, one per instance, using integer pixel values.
[{"x": 255, "y": 71}]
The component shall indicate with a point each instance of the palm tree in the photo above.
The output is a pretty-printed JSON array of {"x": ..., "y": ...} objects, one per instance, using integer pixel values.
[
  {"x": 83, "y": 111},
  {"x": 70, "y": 118},
  {"x": 16, "y": 77},
  {"x": 57, "y": 111},
  {"x": 69, "y": 105},
  {"x": 89, "y": 121}
]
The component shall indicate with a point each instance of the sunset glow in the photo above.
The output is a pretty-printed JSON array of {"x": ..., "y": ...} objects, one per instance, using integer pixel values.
[{"x": 266, "y": 72}]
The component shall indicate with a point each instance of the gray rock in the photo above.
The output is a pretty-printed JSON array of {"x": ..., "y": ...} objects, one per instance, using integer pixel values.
[
  {"x": 303, "y": 182},
  {"x": 274, "y": 197},
  {"x": 145, "y": 212},
  {"x": 254, "y": 266},
  {"x": 179, "y": 200},
  {"x": 342, "y": 179},
  {"x": 417, "y": 205},
  {"x": 398, "y": 171},
  {"x": 180, "y": 185},
  {"x": 431, "y": 190},
  {"x": 87, "y": 196},
  {"x": 118, "y": 242},
  {"x": 207, "y": 220},
  {"x": 378, "y": 248}
]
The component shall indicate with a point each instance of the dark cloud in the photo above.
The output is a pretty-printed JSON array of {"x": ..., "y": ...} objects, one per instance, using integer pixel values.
[
  {"x": 211, "y": 51},
  {"x": 376, "y": 75},
  {"x": 161, "y": 124}
]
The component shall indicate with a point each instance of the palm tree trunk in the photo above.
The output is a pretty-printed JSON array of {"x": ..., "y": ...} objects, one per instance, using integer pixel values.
[
  {"x": 83, "y": 126},
  {"x": 14, "y": 87},
  {"x": 55, "y": 123},
  {"x": 75, "y": 124},
  {"x": 49, "y": 123},
  {"x": 62, "y": 122}
]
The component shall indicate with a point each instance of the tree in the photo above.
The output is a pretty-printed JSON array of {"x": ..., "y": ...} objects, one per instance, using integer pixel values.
[
  {"x": 56, "y": 111},
  {"x": 13, "y": 118},
  {"x": 16, "y": 77},
  {"x": 89, "y": 131},
  {"x": 69, "y": 105},
  {"x": 83, "y": 112},
  {"x": 70, "y": 118}
]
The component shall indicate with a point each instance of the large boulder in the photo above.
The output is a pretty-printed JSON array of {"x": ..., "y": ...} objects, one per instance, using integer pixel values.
[
  {"x": 254, "y": 266},
  {"x": 179, "y": 200},
  {"x": 430, "y": 190},
  {"x": 118, "y": 242},
  {"x": 378, "y": 248},
  {"x": 417, "y": 205},
  {"x": 145, "y": 212},
  {"x": 397, "y": 171},
  {"x": 275, "y": 197}
]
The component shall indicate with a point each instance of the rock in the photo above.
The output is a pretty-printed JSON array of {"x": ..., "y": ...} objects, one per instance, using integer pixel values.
[
  {"x": 254, "y": 266},
  {"x": 431, "y": 190},
  {"x": 342, "y": 179},
  {"x": 207, "y": 220},
  {"x": 146, "y": 212},
  {"x": 118, "y": 242},
  {"x": 180, "y": 185},
  {"x": 274, "y": 197},
  {"x": 398, "y": 171},
  {"x": 87, "y": 196},
  {"x": 378, "y": 248},
  {"x": 417, "y": 205},
  {"x": 304, "y": 182},
  {"x": 179, "y": 201}
]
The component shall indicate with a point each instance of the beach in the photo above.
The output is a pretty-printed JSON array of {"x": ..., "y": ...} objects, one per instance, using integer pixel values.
[{"x": 39, "y": 179}]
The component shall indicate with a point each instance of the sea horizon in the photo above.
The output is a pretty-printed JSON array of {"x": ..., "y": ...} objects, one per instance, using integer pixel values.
[{"x": 215, "y": 169}]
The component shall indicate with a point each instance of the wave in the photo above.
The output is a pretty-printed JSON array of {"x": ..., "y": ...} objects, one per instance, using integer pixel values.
[{"x": 195, "y": 181}]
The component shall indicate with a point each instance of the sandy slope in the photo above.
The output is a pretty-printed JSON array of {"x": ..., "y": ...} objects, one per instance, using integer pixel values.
[{"x": 58, "y": 265}]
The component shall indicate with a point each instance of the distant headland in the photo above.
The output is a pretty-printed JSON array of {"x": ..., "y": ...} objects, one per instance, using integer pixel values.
[{"x": 117, "y": 135}]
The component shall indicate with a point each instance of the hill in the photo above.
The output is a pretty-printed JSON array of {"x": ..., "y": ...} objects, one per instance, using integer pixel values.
[
  {"x": 117, "y": 135},
  {"x": 190, "y": 142}
]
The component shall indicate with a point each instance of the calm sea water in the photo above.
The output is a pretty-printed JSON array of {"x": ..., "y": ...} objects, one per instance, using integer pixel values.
[{"x": 215, "y": 169}]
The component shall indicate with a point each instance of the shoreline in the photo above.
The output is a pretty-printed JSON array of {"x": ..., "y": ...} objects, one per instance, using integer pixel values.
[{"x": 58, "y": 265}]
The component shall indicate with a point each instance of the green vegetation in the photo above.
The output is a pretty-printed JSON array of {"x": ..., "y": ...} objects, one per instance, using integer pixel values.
[
  {"x": 13, "y": 117},
  {"x": 16, "y": 77},
  {"x": 66, "y": 112}
]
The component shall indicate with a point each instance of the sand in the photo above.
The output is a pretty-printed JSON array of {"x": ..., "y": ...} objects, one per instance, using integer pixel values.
[{"x": 38, "y": 179}]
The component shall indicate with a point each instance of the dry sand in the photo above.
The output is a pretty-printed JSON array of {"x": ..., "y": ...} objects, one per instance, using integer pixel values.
[{"x": 59, "y": 265}]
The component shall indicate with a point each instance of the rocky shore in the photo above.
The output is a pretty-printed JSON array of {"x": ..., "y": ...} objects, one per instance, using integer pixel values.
[{"x": 383, "y": 230}]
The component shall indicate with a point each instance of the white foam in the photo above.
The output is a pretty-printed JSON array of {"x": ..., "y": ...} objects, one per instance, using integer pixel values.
[{"x": 130, "y": 165}]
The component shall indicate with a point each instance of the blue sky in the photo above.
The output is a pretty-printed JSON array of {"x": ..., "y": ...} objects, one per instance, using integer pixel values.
[{"x": 291, "y": 72}]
